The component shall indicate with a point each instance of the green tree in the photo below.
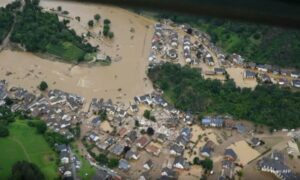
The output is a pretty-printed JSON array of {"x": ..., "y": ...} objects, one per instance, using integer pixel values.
[
  {"x": 35, "y": 2},
  {"x": 113, "y": 163},
  {"x": 196, "y": 161},
  {"x": 106, "y": 21},
  {"x": 59, "y": 8},
  {"x": 43, "y": 86},
  {"x": 110, "y": 35},
  {"x": 150, "y": 131},
  {"x": 106, "y": 29},
  {"x": 102, "y": 159},
  {"x": 147, "y": 114},
  {"x": 189, "y": 91},
  {"x": 54, "y": 138},
  {"x": 240, "y": 174},
  {"x": 207, "y": 164},
  {"x": 41, "y": 127},
  {"x": 103, "y": 115},
  {"x": 78, "y": 18},
  {"x": 97, "y": 17},
  {"x": 8, "y": 101},
  {"x": 91, "y": 23},
  {"x": 26, "y": 171},
  {"x": 3, "y": 131}
]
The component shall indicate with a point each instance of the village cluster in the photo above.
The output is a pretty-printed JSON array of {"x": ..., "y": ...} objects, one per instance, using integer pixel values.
[
  {"x": 152, "y": 139},
  {"x": 162, "y": 145},
  {"x": 60, "y": 111},
  {"x": 185, "y": 45},
  {"x": 166, "y": 144}
]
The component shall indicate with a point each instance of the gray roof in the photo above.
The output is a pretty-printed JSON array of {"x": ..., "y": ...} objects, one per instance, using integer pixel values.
[
  {"x": 275, "y": 162},
  {"x": 149, "y": 163},
  {"x": 276, "y": 155},
  {"x": 227, "y": 164},
  {"x": 208, "y": 148},
  {"x": 181, "y": 140},
  {"x": 161, "y": 137},
  {"x": 63, "y": 154},
  {"x": 169, "y": 172},
  {"x": 255, "y": 141},
  {"x": 117, "y": 149},
  {"x": 249, "y": 73},
  {"x": 219, "y": 70},
  {"x": 182, "y": 161},
  {"x": 178, "y": 149},
  {"x": 123, "y": 164},
  {"x": 61, "y": 147},
  {"x": 296, "y": 82},
  {"x": 102, "y": 175},
  {"x": 132, "y": 135},
  {"x": 96, "y": 120},
  {"x": 230, "y": 153},
  {"x": 130, "y": 154}
]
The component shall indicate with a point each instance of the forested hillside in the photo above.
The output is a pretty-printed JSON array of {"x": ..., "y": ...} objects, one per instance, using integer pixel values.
[
  {"x": 40, "y": 31},
  {"x": 187, "y": 90},
  {"x": 258, "y": 43},
  {"x": 6, "y": 21}
]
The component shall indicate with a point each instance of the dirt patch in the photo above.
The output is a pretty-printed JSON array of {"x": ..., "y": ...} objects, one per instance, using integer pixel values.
[
  {"x": 236, "y": 74},
  {"x": 105, "y": 126},
  {"x": 244, "y": 152}
]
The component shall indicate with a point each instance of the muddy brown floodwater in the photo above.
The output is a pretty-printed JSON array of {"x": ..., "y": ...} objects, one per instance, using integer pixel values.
[{"x": 120, "y": 81}]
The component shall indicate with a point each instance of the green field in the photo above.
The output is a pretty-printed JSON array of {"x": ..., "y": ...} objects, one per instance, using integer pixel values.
[
  {"x": 24, "y": 143},
  {"x": 66, "y": 50}
]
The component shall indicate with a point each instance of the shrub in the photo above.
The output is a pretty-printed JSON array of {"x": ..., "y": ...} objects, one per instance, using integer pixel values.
[
  {"x": 106, "y": 21},
  {"x": 110, "y": 35},
  {"x": 97, "y": 17},
  {"x": 146, "y": 114},
  {"x": 102, "y": 159},
  {"x": 91, "y": 23},
  {"x": 112, "y": 163},
  {"x": 196, "y": 161},
  {"x": 43, "y": 86}
]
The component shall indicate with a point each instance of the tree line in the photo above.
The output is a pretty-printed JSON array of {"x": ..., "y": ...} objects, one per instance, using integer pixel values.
[{"x": 189, "y": 91}]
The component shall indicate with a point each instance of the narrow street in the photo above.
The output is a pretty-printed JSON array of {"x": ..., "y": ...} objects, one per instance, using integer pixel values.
[{"x": 73, "y": 163}]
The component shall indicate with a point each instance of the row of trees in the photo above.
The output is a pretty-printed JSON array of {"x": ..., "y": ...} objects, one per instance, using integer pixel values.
[
  {"x": 188, "y": 91},
  {"x": 106, "y": 27}
]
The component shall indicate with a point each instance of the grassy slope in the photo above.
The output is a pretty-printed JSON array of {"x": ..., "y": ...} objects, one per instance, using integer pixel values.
[
  {"x": 66, "y": 50},
  {"x": 24, "y": 144}
]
